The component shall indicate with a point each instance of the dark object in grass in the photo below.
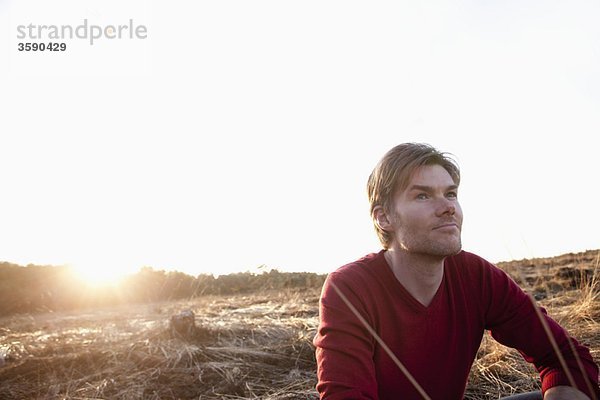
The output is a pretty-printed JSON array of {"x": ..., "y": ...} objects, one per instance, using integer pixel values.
[{"x": 183, "y": 324}]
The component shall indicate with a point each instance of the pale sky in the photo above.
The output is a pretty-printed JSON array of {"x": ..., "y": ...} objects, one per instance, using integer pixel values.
[{"x": 241, "y": 133}]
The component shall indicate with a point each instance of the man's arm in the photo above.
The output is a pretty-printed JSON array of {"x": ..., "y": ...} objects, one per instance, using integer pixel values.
[
  {"x": 344, "y": 349},
  {"x": 514, "y": 321}
]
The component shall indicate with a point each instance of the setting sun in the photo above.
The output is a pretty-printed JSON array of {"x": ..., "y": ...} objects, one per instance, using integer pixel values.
[{"x": 99, "y": 274}]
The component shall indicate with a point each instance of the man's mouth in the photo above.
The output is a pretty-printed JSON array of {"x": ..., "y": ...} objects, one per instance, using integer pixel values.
[{"x": 448, "y": 225}]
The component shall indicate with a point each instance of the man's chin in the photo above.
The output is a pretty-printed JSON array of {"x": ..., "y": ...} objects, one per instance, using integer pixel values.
[
  {"x": 457, "y": 249},
  {"x": 435, "y": 249},
  {"x": 447, "y": 251}
]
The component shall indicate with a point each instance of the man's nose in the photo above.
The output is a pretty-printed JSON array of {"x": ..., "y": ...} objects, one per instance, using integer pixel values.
[{"x": 447, "y": 207}]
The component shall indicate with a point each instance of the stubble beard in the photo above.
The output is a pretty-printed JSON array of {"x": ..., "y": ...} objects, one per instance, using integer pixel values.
[
  {"x": 418, "y": 240},
  {"x": 412, "y": 243}
]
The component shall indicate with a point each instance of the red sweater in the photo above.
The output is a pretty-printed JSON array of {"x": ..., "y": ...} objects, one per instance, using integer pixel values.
[{"x": 438, "y": 343}]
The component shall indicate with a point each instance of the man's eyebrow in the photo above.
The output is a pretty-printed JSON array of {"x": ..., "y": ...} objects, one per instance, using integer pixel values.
[{"x": 426, "y": 188}]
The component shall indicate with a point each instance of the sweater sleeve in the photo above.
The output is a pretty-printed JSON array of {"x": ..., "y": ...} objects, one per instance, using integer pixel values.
[
  {"x": 344, "y": 348},
  {"x": 513, "y": 321}
]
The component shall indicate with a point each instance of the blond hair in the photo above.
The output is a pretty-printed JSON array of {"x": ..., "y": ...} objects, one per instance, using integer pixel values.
[{"x": 393, "y": 173}]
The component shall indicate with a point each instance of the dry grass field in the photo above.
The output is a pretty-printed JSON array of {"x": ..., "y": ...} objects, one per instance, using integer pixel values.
[{"x": 248, "y": 346}]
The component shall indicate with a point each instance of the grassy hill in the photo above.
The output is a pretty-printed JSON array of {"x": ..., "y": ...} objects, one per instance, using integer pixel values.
[{"x": 251, "y": 344}]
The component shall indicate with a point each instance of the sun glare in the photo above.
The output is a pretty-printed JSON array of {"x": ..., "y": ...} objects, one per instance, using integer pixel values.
[{"x": 99, "y": 275}]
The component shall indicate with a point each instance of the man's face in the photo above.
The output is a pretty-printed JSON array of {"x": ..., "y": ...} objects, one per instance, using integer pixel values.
[{"x": 426, "y": 217}]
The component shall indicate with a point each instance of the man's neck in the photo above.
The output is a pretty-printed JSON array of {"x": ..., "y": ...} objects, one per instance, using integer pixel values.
[{"x": 420, "y": 274}]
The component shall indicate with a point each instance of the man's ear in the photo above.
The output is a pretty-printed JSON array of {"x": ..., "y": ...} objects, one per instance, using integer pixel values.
[{"x": 381, "y": 219}]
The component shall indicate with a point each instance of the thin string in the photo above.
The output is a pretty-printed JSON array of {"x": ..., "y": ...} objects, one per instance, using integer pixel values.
[
  {"x": 382, "y": 343},
  {"x": 555, "y": 345},
  {"x": 563, "y": 363}
]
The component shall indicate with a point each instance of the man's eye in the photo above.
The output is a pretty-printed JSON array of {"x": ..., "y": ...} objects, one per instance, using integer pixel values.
[
  {"x": 422, "y": 196},
  {"x": 452, "y": 195}
]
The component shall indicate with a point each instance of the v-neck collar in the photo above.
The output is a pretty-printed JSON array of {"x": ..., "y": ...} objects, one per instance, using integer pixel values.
[{"x": 398, "y": 287}]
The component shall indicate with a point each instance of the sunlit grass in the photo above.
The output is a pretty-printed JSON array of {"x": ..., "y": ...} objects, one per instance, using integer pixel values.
[{"x": 249, "y": 345}]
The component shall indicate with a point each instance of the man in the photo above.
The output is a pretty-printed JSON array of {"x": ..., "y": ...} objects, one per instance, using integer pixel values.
[{"x": 406, "y": 323}]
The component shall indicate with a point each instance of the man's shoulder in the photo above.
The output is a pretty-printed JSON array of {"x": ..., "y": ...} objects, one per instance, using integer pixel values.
[
  {"x": 467, "y": 259},
  {"x": 369, "y": 265},
  {"x": 471, "y": 265},
  {"x": 365, "y": 261},
  {"x": 362, "y": 280}
]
